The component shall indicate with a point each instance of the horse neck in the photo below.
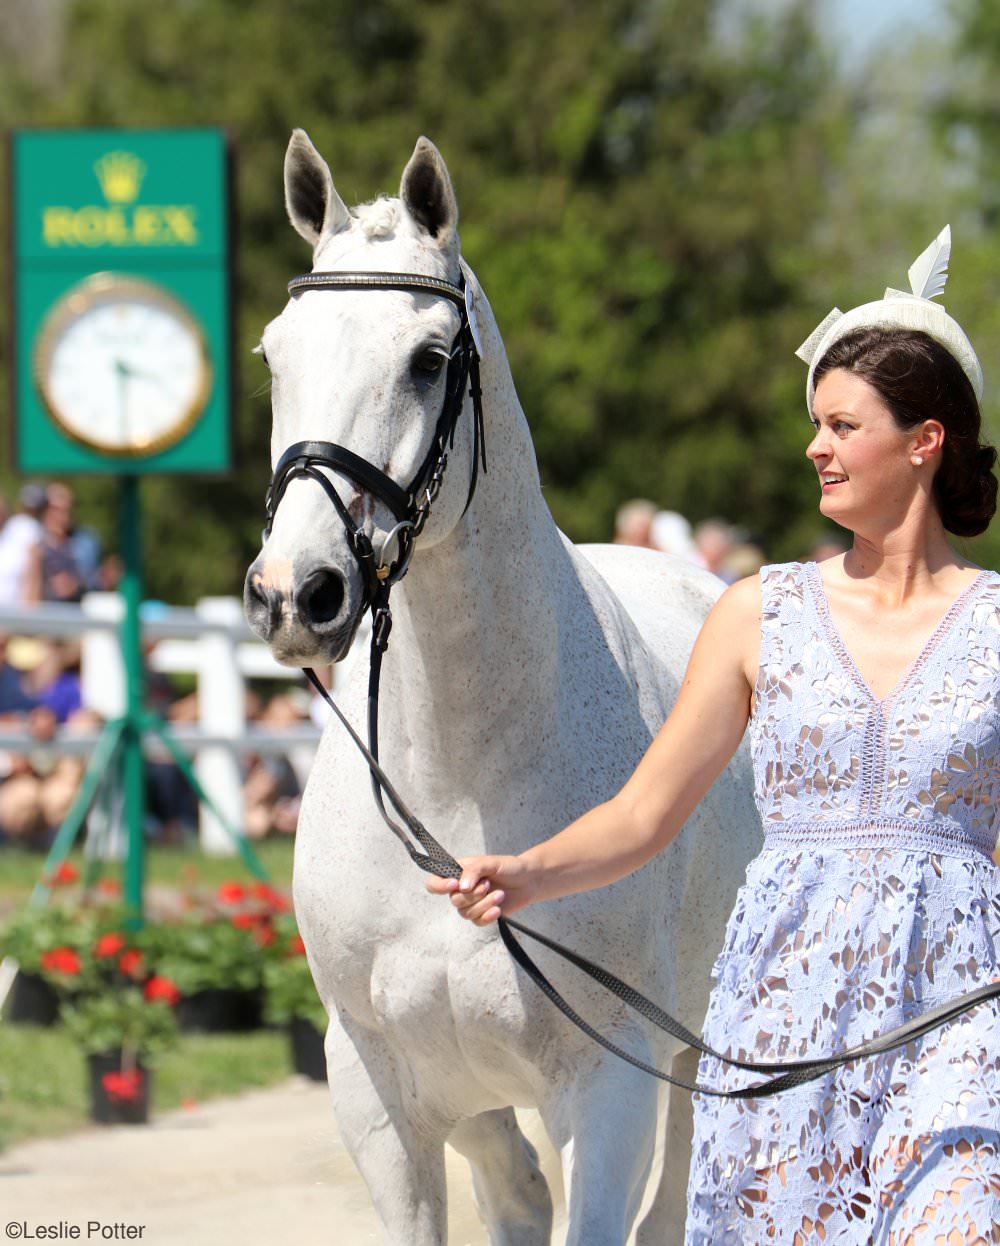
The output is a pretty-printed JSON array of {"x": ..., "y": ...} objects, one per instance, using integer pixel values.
[{"x": 474, "y": 657}]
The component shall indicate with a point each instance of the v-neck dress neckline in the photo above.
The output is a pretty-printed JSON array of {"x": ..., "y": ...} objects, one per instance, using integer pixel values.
[{"x": 814, "y": 582}]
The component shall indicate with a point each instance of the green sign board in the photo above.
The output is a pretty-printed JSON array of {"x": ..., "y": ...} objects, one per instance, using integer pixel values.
[{"x": 121, "y": 309}]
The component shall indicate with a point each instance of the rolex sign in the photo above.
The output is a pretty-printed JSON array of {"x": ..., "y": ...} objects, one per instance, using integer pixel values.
[
  {"x": 120, "y": 221},
  {"x": 104, "y": 210}
]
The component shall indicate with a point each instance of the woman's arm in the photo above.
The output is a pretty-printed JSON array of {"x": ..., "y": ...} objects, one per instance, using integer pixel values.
[{"x": 683, "y": 761}]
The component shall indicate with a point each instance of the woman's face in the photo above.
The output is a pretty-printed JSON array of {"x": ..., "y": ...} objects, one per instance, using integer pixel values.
[{"x": 863, "y": 458}]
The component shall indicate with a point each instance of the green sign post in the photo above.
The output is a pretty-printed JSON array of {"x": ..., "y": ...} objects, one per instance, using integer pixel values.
[{"x": 121, "y": 358}]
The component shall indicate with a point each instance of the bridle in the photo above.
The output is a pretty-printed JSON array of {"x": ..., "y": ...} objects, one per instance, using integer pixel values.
[{"x": 411, "y": 507}]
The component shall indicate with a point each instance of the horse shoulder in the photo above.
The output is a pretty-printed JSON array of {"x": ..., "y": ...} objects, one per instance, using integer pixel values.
[{"x": 666, "y": 598}]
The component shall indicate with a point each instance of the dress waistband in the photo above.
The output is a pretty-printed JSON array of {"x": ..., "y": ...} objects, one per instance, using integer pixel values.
[{"x": 898, "y": 834}]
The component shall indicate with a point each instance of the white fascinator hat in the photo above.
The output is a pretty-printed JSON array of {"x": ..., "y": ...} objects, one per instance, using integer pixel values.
[{"x": 899, "y": 310}]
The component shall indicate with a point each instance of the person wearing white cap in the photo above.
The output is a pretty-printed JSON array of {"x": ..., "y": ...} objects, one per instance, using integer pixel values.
[
  {"x": 20, "y": 549},
  {"x": 871, "y": 683}
]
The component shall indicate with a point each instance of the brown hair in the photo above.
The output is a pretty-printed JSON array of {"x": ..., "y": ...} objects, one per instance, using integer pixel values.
[{"x": 919, "y": 379}]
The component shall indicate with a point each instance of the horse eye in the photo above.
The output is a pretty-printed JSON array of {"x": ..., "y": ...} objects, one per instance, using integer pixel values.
[{"x": 429, "y": 362}]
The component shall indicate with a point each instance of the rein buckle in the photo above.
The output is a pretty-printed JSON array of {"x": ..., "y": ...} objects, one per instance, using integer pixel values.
[{"x": 381, "y": 627}]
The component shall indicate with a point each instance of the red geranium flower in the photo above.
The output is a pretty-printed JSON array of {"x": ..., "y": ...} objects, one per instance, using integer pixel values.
[
  {"x": 270, "y": 896},
  {"x": 61, "y": 960},
  {"x": 109, "y": 945},
  {"x": 264, "y": 934},
  {"x": 110, "y": 887},
  {"x": 296, "y": 947},
  {"x": 63, "y": 874},
  {"x": 231, "y": 893},
  {"x": 123, "y": 1086},
  {"x": 244, "y": 921},
  {"x": 161, "y": 988},
  {"x": 130, "y": 962}
]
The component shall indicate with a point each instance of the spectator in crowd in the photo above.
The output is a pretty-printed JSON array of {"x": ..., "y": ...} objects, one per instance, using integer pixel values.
[
  {"x": 671, "y": 534},
  {"x": 40, "y": 785},
  {"x": 272, "y": 793},
  {"x": 633, "y": 523},
  {"x": 67, "y": 561},
  {"x": 740, "y": 561},
  {"x": 15, "y": 697},
  {"x": 55, "y": 682},
  {"x": 20, "y": 549},
  {"x": 713, "y": 539}
]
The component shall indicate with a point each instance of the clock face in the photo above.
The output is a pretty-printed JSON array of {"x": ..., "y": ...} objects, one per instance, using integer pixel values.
[{"x": 122, "y": 366}]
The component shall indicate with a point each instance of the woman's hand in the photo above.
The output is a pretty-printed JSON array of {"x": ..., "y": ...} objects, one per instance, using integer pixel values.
[{"x": 489, "y": 887}]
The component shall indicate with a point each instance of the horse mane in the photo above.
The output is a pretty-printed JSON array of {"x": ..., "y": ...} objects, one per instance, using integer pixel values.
[{"x": 379, "y": 217}]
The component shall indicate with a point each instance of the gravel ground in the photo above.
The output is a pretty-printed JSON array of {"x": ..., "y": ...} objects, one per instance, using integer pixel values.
[{"x": 265, "y": 1167}]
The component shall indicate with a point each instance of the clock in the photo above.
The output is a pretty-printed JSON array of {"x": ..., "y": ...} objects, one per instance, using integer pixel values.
[{"x": 122, "y": 365}]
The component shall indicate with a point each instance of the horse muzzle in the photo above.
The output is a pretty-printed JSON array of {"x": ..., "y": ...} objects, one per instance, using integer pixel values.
[{"x": 307, "y": 616}]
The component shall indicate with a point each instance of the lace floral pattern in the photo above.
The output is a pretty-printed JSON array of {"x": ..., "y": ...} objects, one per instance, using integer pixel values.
[{"x": 874, "y": 899}]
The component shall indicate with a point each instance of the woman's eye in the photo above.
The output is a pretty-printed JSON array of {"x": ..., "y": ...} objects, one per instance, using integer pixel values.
[{"x": 429, "y": 362}]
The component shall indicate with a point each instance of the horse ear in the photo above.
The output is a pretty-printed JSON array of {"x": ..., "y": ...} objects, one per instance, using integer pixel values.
[
  {"x": 427, "y": 193},
  {"x": 314, "y": 207}
]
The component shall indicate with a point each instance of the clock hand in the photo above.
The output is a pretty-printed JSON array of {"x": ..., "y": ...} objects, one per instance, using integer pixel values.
[
  {"x": 138, "y": 374},
  {"x": 123, "y": 372}
]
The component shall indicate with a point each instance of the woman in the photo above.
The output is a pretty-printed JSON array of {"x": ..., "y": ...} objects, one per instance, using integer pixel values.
[{"x": 871, "y": 684}]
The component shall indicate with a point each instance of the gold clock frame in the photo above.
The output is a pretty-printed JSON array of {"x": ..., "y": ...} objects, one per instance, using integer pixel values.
[{"x": 108, "y": 288}]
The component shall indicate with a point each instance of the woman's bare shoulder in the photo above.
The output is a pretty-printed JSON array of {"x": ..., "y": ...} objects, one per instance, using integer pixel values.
[
  {"x": 741, "y": 601},
  {"x": 731, "y": 634}
]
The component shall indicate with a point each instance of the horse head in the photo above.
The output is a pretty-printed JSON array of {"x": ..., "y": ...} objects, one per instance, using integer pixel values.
[{"x": 364, "y": 371}]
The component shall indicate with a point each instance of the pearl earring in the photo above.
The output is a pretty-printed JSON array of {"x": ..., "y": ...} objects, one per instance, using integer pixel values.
[{"x": 917, "y": 461}]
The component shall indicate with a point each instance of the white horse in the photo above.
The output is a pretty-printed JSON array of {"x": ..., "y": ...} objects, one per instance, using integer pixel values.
[{"x": 524, "y": 679}]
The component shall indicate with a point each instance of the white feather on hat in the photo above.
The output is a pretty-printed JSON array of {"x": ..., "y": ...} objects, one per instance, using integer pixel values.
[{"x": 899, "y": 310}]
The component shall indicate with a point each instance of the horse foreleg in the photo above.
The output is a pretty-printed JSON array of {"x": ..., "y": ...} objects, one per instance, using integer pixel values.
[
  {"x": 511, "y": 1194},
  {"x": 400, "y": 1158},
  {"x": 604, "y": 1125},
  {"x": 663, "y": 1224}
]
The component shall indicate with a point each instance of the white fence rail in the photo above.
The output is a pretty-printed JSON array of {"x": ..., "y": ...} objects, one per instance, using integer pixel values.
[{"x": 213, "y": 642}]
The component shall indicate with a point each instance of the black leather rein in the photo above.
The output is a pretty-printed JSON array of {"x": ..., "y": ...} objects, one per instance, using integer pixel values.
[{"x": 411, "y": 508}]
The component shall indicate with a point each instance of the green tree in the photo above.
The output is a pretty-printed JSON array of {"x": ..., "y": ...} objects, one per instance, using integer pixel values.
[{"x": 640, "y": 182}]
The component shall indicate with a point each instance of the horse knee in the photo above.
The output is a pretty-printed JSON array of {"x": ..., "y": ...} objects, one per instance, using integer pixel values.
[{"x": 509, "y": 1187}]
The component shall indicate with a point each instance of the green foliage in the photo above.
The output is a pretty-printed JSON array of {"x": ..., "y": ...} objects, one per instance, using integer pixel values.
[
  {"x": 661, "y": 200},
  {"x": 638, "y": 187},
  {"x": 198, "y": 955},
  {"x": 34, "y": 931},
  {"x": 121, "y": 1019},
  {"x": 288, "y": 982},
  {"x": 109, "y": 996}
]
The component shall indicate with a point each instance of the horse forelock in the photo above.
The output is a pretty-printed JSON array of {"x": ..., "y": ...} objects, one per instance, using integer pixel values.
[
  {"x": 380, "y": 217},
  {"x": 384, "y": 222}
]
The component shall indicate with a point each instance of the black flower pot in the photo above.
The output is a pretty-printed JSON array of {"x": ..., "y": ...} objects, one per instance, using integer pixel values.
[
  {"x": 308, "y": 1055},
  {"x": 32, "y": 1001},
  {"x": 219, "y": 1010},
  {"x": 119, "y": 1093}
]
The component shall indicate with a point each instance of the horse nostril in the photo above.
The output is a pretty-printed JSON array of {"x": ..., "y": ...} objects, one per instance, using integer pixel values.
[
  {"x": 262, "y": 606},
  {"x": 321, "y": 597}
]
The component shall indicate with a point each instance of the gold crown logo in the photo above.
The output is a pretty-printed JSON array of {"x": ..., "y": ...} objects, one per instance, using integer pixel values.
[{"x": 120, "y": 174}]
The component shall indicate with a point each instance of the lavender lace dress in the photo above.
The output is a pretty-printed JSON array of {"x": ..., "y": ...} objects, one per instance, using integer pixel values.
[{"x": 874, "y": 899}]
